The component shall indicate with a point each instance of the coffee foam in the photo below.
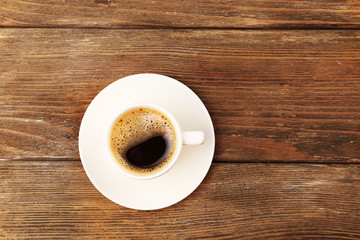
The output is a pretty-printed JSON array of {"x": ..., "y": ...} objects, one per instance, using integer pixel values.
[{"x": 136, "y": 126}]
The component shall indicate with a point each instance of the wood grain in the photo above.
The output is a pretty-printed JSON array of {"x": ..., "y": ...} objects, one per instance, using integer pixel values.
[
  {"x": 55, "y": 199},
  {"x": 273, "y": 95},
  {"x": 180, "y": 14}
]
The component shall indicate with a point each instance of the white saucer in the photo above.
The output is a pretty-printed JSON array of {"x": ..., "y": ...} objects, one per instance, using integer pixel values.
[{"x": 191, "y": 166}]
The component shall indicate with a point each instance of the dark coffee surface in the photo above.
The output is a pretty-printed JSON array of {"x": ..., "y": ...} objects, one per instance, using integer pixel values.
[
  {"x": 143, "y": 140},
  {"x": 147, "y": 154}
]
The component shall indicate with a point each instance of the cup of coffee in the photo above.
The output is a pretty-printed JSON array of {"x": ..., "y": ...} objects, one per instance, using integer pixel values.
[{"x": 145, "y": 140}]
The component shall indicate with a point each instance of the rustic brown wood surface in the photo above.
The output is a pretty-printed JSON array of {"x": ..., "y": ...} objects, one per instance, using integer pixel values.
[
  {"x": 54, "y": 199},
  {"x": 181, "y": 14},
  {"x": 273, "y": 96},
  {"x": 279, "y": 95}
]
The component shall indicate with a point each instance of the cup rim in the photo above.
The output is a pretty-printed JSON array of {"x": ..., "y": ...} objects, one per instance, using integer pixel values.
[{"x": 178, "y": 136}]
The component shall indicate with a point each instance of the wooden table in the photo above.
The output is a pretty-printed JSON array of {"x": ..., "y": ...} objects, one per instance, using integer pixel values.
[{"x": 281, "y": 80}]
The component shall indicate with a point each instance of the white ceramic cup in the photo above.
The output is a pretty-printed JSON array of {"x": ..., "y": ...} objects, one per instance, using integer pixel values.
[{"x": 182, "y": 138}]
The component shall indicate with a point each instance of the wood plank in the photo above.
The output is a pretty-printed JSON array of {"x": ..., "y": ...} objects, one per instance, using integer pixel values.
[
  {"x": 55, "y": 199},
  {"x": 273, "y": 95},
  {"x": 180, "y": 14}
]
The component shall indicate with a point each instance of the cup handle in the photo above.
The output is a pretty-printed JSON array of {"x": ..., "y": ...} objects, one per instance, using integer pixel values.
[{"x": 193, "y": 137}]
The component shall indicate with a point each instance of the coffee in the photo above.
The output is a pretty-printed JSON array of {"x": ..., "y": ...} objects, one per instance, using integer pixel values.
[{"x": 143, "y": 140}]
